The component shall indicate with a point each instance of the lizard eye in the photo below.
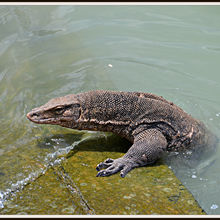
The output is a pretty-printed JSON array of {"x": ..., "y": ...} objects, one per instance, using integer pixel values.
[{"x": 59, "y": 110}]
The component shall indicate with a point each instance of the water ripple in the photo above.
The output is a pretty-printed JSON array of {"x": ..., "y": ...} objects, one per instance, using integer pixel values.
[
  {"x": 158, "y": 64},
  {"x": 52, "y": 159}
]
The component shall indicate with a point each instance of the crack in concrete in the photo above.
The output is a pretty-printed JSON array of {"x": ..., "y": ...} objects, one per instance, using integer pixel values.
[{"x": 73, "y": 189}]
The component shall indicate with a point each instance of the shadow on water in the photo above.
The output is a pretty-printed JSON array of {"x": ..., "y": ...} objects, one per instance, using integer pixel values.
[
  {"x": 63, "y": 140},
  {"x": 100, "y": 142},
  {"x": 67, "y": 145},
  {"x": 109, "y": 143},
  {"x": 199, "y": 156}
]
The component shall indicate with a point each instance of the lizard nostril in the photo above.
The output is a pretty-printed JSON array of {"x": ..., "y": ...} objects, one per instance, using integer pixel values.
[{"x": 34, "y": 115}]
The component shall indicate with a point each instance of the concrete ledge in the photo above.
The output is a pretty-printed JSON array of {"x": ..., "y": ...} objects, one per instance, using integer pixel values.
[{"x": 73, "y": 188}]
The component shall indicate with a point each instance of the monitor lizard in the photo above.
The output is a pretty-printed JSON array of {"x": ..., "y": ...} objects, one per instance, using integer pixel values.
[{"x": 153, "y": 124}]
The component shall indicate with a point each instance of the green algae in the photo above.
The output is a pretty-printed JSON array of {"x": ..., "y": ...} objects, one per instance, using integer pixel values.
[
  {"x": 46, "y": 195},
  {"x": 72, "y": 187},
  {"x": 146, "y": 190}
]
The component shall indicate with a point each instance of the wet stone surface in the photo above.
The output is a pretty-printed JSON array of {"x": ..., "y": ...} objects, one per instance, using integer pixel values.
[
  {"x": 72, "y": 187},
  {"x": 47, "y": 195}
]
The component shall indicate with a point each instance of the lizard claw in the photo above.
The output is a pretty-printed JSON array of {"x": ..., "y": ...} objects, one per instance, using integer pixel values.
[
  {"x": 103, "y": 165},
  {"x": 125, "y": 170},
  {"x": 111, "y": 166},
  {"x": 109, "y": 171}
]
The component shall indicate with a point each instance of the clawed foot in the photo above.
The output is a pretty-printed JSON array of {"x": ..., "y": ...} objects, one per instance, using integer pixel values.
[{"x": 111, "y": 166}]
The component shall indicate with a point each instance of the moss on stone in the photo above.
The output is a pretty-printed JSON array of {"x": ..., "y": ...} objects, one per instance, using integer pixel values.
[
  {"x": 73, "y": 188},
  {"x": 146, "y": 190},
  {"x": 45, "y": 196}
]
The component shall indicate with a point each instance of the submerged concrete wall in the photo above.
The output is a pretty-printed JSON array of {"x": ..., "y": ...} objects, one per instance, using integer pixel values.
[{"x": 72, "y": 188}]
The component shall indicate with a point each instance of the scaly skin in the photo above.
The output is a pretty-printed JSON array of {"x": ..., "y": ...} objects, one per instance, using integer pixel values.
[{"x": 153, "y": 124}]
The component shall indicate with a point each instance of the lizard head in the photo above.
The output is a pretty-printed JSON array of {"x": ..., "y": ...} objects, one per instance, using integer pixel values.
[{"x": 63, "y": 111}]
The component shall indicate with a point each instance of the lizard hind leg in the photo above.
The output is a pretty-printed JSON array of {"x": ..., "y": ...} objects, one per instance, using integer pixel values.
[{"x": 147, "y": 148}]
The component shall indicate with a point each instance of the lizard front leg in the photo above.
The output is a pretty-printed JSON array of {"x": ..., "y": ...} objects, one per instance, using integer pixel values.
[{"x": 147, "y": 148}]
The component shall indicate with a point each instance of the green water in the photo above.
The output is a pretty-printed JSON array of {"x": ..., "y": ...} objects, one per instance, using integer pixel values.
[{"x": 49, "y": 51}]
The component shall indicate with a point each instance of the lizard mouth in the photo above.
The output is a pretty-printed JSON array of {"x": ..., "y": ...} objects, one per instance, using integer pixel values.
[{"x": 36, "y": 118}]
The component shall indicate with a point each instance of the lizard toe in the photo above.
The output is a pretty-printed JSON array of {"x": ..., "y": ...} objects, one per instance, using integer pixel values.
[
  {"x": 109, "y": 160},
  {"x": 125, "y": 170},
  {"x": 102, "y": 165},
  {"x": 110, "y": 170}
]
